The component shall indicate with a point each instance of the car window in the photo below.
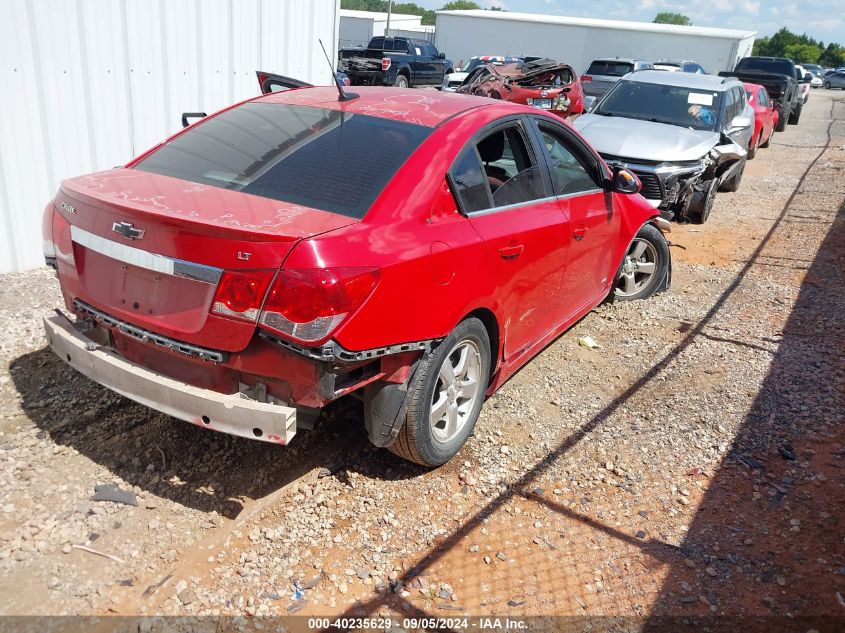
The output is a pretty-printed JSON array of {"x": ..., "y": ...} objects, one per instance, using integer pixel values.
[
  {"x": 508, "y": 171},
  {"x": 430, "y": 50},
  {"x": 611, "y": 68},
  {"x": 377, "y": 43},
  {"x": 569, "y": 175},
  {"x": 470, "y": 182},
  {"x": 400, "y": 46},
  {"x": 315, "y": 157}
]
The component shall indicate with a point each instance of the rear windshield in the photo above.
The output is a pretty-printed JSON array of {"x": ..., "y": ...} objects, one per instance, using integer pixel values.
[
  {"x": 760, "y": 64},
  {"x": 612, "y": 68},
  {"x": 319, "y": 158}
]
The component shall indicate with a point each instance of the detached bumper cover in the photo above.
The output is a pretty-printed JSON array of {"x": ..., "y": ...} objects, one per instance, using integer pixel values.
[{"x": 228, "y": 413}]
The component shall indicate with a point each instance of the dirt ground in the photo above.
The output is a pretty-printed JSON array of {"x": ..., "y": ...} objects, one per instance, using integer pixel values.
[{"x": 691, "y": 467}]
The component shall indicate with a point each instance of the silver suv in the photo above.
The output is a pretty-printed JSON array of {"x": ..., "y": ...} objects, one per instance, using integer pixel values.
[
  {"x": 605, "y": 72},
  {"x": 684, "y": 135}
]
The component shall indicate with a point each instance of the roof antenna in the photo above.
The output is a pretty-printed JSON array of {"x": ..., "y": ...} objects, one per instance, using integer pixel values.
[{"x": 341, "y": 95}]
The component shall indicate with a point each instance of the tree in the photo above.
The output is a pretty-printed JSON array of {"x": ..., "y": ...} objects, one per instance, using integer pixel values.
[
  {"x": 667, "y": 17},
  {"x": 459, "y": 5},
  {"x": 833, "y": 56},
  {"x": 803, "y": 53}
]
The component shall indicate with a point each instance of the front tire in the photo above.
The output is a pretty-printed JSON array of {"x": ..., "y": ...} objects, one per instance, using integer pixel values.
[
  {"x": 826, "y": 85},
  {"x": 702, "y": 202},
  {"x": 645, "y": 266},
  {"x": 796, "y": 115},
  {"x": 732, "y": 183},
  {"x": 446, "y": 394}
]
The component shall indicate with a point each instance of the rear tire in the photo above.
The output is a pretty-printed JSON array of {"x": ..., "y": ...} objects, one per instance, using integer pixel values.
[
  {"x": 701, "y": 203},
  {"x": 453, "y": 379},
  {"x": 401, "y": 81},
  {"x": 732, "y": 183},
  {"x": 781, "y": 126},
  {"x": 645, "y": 266}
]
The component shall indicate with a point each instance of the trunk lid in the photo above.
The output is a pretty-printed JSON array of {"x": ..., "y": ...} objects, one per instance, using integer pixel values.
[{"x": 149, "y": 249}]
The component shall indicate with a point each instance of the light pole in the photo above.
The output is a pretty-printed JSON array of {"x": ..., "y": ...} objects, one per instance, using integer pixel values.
[{"x": 389, "y": 11}]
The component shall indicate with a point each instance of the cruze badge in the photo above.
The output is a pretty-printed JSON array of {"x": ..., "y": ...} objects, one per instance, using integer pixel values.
[
  {"x": 68, "y": 208},
  {"x": 127, "y": 230}
]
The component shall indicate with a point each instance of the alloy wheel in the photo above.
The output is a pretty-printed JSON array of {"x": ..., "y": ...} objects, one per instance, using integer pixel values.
[
  {"x": 638, "y": 268},
  {"x": 456, "y": 391}
]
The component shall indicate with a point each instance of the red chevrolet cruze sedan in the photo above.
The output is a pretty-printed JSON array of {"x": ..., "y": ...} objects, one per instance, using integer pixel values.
[{"x": 414, "y": 248}]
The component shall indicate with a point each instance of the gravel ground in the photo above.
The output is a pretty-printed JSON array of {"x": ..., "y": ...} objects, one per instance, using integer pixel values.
[{"x": 691, "y": 465}]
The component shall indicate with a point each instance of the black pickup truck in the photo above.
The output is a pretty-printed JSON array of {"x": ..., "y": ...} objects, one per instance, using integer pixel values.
[
  {"x": 395, "y": 61},
  {"x": 781, "y": 80}
]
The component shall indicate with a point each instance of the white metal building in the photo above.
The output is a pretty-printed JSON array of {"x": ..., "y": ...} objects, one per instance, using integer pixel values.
[
  {"x": 357, "y": 27},
  {"x": 577, "y": 41},
  {"x": 88, "y": 84}
]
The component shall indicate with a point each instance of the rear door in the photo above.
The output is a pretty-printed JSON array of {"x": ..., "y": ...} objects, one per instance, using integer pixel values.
[
  {"x": 577, "y": 179},
  {"x": 425, "y": 63},
  {"x": 270, "y": 82},
  {"x": 502, "y": 186}
]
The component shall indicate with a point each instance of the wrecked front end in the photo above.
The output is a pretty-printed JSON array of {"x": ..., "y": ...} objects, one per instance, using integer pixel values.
[{"x": 670, "y": 186}]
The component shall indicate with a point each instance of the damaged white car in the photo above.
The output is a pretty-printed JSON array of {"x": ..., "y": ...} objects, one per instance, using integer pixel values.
[{"x": 684, "y": 135}]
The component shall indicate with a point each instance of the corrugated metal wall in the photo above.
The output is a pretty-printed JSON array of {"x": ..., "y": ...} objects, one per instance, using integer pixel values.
[
  {"x": 88, "y": 84},
  {"x": 462, "y": 36}
]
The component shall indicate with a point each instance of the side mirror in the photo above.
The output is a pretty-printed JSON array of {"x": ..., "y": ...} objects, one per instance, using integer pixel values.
[
  {"x": 441, "y": 55},
  {"x": 625, "y": 181},
  {"x": 739, "y": 122},
  {"x": 589, "y": 103},
  {"x": 808, "y": 77}
]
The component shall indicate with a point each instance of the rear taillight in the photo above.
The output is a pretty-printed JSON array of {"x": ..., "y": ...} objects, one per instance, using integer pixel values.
[
  {"x": 240, "y": 294},
  {"x": 585, "y": 78},
  {"x": 307, "y": 305},
  {"x": 385, "y": 63}
]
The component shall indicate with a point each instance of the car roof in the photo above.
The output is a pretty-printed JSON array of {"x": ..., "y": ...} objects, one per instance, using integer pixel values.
[
  {"x": 629, "y": 60},
  {"x": 683, "y": 80},
  {"x": 421, "y": 107}
]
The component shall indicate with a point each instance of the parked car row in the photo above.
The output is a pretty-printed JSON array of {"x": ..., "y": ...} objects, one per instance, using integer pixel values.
[{"x": 223, "y": 279}]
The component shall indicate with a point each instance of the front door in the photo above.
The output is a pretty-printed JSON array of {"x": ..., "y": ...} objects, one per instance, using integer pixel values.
[
  {"x": 503, "y": 188},
  {"x": 577, "y": 178}
]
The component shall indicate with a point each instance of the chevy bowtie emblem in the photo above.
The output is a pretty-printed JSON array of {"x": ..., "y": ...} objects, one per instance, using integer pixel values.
[{"x": 127, "y": 230}]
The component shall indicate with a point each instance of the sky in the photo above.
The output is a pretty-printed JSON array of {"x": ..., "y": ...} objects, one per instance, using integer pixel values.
[{"x": 821, "y": 19}]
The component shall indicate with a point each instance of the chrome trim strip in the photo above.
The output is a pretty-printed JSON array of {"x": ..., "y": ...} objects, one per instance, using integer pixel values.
[
  {"x": 527, "y": 203},
  {"x": 145, "y": 259}
]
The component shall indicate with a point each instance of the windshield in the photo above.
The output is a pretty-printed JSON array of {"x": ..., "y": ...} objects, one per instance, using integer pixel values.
[
  {"x": 776, "y": 66},
  {"x": 612, "y": 68},
  {"x": 686, "y": 107},
  {"x": 472, "y": 65},
  {"x": 316, "y": 157}
]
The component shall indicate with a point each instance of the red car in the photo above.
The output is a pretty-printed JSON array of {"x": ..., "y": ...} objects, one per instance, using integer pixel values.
[
  {"x": 540, "y": 83},
  {"x": 765, "y": 117},
  {"x": 413, "y": 248}
]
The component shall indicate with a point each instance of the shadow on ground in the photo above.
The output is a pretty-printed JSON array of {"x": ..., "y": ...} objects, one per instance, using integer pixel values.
[
  {"x": 766, "y": 540},
  {"x": 175, "y": 460}
]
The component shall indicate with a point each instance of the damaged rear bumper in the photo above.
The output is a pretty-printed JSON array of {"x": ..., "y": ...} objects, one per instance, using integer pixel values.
[{"x": 228, "y": 413}]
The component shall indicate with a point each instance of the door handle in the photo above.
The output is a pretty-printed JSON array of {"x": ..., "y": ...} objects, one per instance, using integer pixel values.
[
  {"x": 579, "y": 233},
  {"x": 511, "y": 252}
]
